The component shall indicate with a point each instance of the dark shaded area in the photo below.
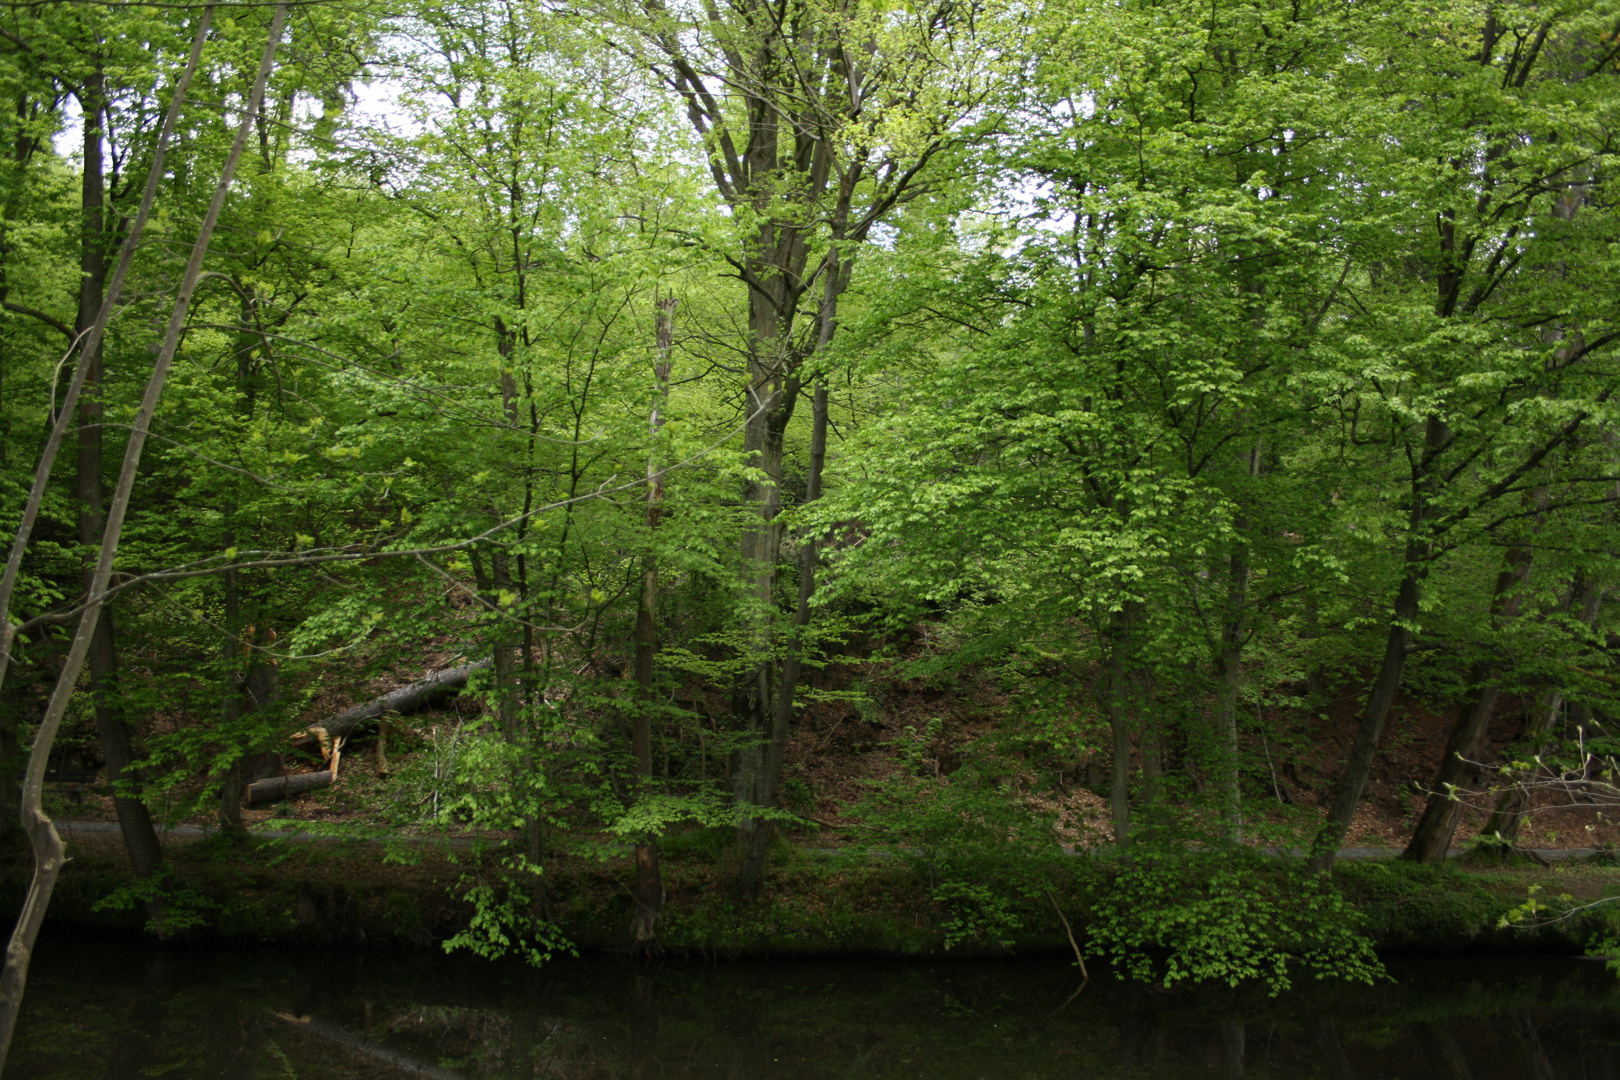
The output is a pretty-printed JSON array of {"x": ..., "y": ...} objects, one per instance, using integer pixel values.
[{"x": 108, "y": 1007}]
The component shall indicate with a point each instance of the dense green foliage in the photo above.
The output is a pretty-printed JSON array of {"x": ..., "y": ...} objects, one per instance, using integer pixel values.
[{"x": 1157, "y": 363}]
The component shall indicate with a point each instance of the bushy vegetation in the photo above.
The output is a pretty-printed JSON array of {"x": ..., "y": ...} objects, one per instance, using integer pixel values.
[{"x": 686, "y": 372}]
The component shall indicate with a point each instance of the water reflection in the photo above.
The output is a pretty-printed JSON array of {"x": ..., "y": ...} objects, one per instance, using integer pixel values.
[{"x": 120, "y": 1010}]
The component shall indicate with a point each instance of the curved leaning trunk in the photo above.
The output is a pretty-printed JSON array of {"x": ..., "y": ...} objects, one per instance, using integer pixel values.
[{"x": 47, "y": 844}]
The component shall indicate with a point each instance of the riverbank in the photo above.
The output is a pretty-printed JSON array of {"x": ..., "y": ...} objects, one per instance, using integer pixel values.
[{"x": 409, "y": 893}]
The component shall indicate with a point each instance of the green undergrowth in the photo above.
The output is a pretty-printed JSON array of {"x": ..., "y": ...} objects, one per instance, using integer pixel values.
[{"x": 1210, "y": 917}]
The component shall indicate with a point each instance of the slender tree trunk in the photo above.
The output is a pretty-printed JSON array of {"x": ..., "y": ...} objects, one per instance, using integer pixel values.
[
  {"x": 1458, "y": 769},
  {"x": 1231, "y": 665},
  {"x": 1514, "y": 803},
  {"x": 504, "y": 652},
  {"x": 42, "y": 832},
  {"x": 231, "y": 694},
  {"x": 236, "y": 657},
  {"x": 140, "y": 836},
  {"x": 1234, "y": 635},
  {"x": 89, "y": 344},
  {"x": 1315, "y": 686},
  {"x": 649, "y": 891},
  {"x": 1149, "y": 735}
]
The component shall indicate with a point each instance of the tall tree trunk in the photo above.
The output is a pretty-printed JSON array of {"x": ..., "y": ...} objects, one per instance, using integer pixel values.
[
  {"x": 1458, "y": 769},
  {"x": 754, "y": 698},
  {"x": 232, "y": 691},
  {"x": 766, "y": 700},
  {"x": 46, "y": 842},
  {"x": 793, "y": 662},
  {"x": 1370, "y": 727},
  {"x": 140, "y": 837},
  {"x": 236, "y": 657},
  {"x": 649, "y": 891}
]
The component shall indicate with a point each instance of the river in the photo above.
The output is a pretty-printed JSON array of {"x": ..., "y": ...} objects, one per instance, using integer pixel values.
[{"x": 114, "y": 1009}]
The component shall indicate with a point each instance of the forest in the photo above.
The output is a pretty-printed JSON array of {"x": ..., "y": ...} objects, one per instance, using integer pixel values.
[{"x": 1201, "y": 415}]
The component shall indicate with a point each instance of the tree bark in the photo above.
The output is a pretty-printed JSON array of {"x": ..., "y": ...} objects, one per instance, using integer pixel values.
[
  {"x": 277, "y": 788},
  {"x": 649, "y": 890},
  {"x": 233, "y": 694},
  {"x": 793, "y": 662},
  {"x": 134, "y": 820},
  {"x": 772, "y": 755},
  {"x": 1231, "y": 668},
  {"x": 11, "y": 759},
  {"x": 1458, "y": 769}
]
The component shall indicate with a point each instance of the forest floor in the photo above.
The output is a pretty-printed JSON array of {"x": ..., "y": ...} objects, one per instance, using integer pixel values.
[
  {"x": 384, "y": 868},
  {"x": 848, "y": 744}
]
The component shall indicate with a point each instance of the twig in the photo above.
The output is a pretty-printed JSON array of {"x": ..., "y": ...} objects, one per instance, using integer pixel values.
[
  {"x": 1275, "y": 790},
  {"x": 1078, "y": 958}
]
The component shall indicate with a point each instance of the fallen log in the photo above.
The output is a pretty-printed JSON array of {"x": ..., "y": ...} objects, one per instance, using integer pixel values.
[
  {"x": 285, "y": 787},
  {"x": 422, "y": 692}
]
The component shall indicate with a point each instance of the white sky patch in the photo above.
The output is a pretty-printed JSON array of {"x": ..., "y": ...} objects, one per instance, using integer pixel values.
[{"x": 376, "y": 104}]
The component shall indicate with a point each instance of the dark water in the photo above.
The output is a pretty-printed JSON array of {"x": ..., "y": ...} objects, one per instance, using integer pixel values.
[{"x": 118, "y": 1010}]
